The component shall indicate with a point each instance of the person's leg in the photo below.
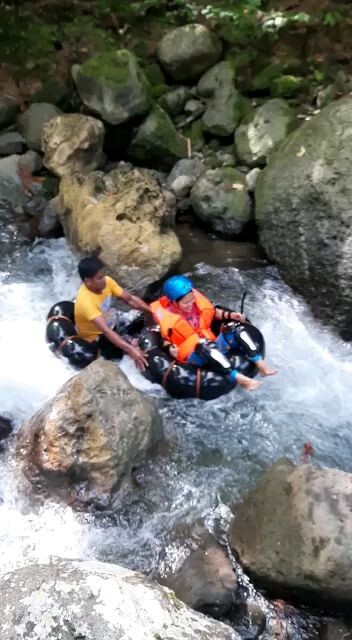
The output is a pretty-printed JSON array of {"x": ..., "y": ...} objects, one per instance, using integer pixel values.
[
  {"x": 108, "y": 350},
  {"x": 238, "y": 337},
  {"x": 208, "y": 353}
]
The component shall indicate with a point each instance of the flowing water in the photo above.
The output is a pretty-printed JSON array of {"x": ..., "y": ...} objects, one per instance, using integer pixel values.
[{"x": 213, "y": 451}]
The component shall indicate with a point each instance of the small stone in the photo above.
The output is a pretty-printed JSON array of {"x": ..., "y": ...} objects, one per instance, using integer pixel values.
[
  {"x": 194, "y": 105},
  {"x": 251, "y": 178}
]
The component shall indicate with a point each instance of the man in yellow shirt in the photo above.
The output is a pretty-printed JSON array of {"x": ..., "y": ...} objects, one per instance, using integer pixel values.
[{"x": 93, "y": 314}]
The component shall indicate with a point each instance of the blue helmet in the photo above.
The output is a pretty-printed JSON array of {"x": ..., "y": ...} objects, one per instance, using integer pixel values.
[{"x": 177, "y": 287}]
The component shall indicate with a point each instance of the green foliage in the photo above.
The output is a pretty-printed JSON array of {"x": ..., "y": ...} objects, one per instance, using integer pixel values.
[{"x": 331, "y": 18}]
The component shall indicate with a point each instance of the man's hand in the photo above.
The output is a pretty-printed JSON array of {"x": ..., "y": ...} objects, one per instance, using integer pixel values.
[
  {"x": 138, "y": 357},
  {"x": 239, "y": 317}
]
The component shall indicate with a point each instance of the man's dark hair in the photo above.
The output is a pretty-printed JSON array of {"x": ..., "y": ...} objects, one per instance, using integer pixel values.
[{"x": 89, "y": 267}]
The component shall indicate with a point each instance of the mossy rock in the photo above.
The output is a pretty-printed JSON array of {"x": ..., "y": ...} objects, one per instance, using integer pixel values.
[
  {"x": 157, "y": 143},
  {"x": 195, "y": 133},
  {"x": 159, "y": 90},
  {"x": 113, "y": 85},
  {"x": 287, "y": 86},
  {"x": 154, "y": 73},
  {"x": 264, "y": 79}
]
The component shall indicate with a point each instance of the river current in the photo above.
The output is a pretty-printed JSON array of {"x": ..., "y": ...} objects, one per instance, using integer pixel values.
[{"x": 213, "y": 452}]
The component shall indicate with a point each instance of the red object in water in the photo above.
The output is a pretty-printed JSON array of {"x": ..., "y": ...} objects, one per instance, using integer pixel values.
[{"x": 307, "y": 452}]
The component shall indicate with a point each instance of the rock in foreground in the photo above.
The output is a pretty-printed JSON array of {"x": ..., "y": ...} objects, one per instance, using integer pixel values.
[
  {"x": 85, "y": 440},
  {"x": 97, "y": 601}
]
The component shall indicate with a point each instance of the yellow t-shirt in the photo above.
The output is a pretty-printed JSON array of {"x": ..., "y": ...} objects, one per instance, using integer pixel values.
[{"x": 89, "y": 306}]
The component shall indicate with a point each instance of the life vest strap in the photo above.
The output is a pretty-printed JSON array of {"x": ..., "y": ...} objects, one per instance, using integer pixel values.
[
  {"x": 167, "y": 372},
  {"x": 198, "y": 382},
  {"x": 64, "y": 342},
  {"x": 59, "y": 318}
]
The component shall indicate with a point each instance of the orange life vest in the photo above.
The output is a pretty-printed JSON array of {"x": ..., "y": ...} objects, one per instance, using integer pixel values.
[{"x": 175, "y": 328}]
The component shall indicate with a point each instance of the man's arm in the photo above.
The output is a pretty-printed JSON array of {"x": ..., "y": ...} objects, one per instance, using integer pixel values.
[
  {"x": 221, "y": 314},
  {"x": 135, "y": 353},
  {"x": 134, "y": 301}
]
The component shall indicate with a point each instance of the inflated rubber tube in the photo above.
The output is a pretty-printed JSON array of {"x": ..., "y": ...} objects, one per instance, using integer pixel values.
[
  {"x": 62, "y": 338},
  {"x": 189, "y": 381}
]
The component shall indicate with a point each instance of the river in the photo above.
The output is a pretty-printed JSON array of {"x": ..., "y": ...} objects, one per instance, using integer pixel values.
[{"x": 213, "y": 452}]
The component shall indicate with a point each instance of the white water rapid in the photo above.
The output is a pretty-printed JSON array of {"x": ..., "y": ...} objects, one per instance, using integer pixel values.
[{"x": 214, "y": 451}]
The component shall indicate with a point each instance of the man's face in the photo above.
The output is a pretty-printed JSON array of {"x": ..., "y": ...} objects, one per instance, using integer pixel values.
[
  {"x": 186, "y": 303},
  {"x": 98, "y": 283}
]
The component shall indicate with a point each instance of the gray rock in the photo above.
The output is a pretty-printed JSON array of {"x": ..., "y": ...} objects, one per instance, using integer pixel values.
[
  {"x": 84, "y": 441},
  {"x": 9, "y": 109},
  {"x": 251, "y": 178},
  {"x": 97, "y": 601},
  {"x": 73, "y": 143},
  {"x": 30, "y": 162},
  {"x": 188, "y": 51},
  {"x": 113, "y": 85},
  {"x": 49, "y": 218},
  {"x": 220, "y": 76},
  {"x": 32, "y": 121},
  {"x": 271, "y": 124},
  {"x": 11, "y": 185},
  {"x": 183, "y": 176},
  {"x": 224, "y": 112},
  {"x": 303, "y": 209},
  {"x": 157, "y": 142},
  {"x": 220, "y": 199},
  {"x": 293, "y": 532},
  {"x": 174, "y": 101},
  {"x": 10, "y": 143}
]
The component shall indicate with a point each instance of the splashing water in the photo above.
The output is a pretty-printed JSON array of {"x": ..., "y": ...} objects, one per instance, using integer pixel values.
[{"x": 214, "y": 451}]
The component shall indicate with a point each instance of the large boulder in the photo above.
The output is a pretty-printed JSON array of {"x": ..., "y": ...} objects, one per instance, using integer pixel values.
[
  {"x": 303, "y": 209},
  {"x": 220, "y": 199},
  {"x": 188, "y": 51},
  {"x": 125, "y": 216},
  {"x": 73, "y": 143},
  {"x": 81, "y": 443},
  {"x": 31, "y": 123},
  {"x": 113, "y": 85},
  {"x": 293, "y": 532},
  {"x": 270, "y": 125},
  {"x": 157, "y": 142},
  {"x": 9, "y": 108},
  {"x": 99, "y": 601}
]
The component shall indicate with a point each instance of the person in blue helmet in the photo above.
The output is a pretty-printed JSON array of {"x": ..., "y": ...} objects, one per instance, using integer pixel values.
[{"x": 185, "y": 316}]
